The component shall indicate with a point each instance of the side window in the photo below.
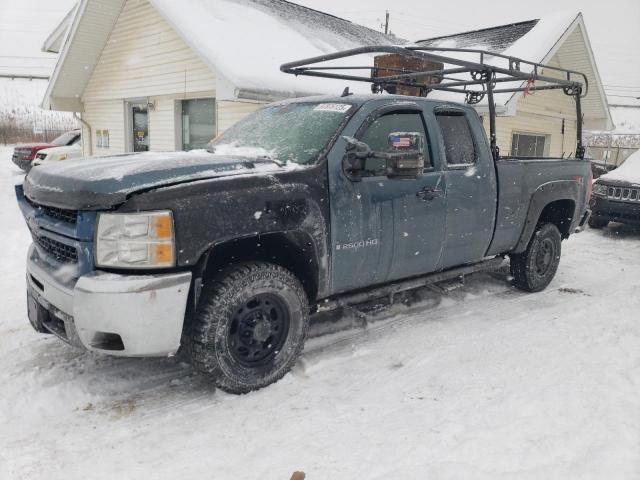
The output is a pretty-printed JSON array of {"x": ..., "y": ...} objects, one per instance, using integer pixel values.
[
  {"x": 377, "y": 136},
  {"x": 459, "y": 148}
]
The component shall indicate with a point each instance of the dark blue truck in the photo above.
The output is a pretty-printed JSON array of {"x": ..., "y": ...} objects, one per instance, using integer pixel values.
[{"x": 306, "y": 204}]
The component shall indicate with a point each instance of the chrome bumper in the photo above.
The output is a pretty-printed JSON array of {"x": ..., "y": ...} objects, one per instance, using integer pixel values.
[{"x": 125, "y": 315}]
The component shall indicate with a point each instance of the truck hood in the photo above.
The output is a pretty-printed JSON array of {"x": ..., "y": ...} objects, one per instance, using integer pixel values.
[
  {"x": 629, "y": 171},
  {"x": 103, "y": 182}
]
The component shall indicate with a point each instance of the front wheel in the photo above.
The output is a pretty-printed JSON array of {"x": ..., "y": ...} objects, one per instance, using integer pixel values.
[
  {"x": 534, "y": 268},
  {"x": 250, "y": 326}
]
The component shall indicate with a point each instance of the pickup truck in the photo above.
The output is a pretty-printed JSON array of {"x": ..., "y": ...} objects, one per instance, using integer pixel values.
[
  {"x": 304, "y": 205},
  {"x": 226, "y": 252}
]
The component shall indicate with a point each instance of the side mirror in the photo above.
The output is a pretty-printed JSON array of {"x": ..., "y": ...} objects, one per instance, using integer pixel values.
[
  {"x": 405, "y": 159},
  {"x": 357, "y": 153}
]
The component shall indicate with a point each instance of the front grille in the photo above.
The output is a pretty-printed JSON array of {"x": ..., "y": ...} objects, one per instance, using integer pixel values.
[
  {"x": 68, "y": 216},
  {"x": 625, "y": 194},
  {"x": 61, "y": 252}
]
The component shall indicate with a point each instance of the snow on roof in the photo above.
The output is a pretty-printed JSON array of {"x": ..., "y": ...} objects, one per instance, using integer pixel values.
[
  {"x": 53, "y": 43},
  {"x": 495, "y": 39},
  {"x": 246, "y": 41},
  {"x": 535, "y": 40}
]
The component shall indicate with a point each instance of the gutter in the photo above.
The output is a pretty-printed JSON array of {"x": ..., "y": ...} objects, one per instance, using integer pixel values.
[{"x": 84, "y": 122}]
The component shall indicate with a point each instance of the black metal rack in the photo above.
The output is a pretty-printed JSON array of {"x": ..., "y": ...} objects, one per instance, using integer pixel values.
[{"x": 483, "y": 74}]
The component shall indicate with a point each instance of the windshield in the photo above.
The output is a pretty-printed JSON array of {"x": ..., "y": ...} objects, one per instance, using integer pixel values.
[
  {"x": 65, "y": 139},
  {"x": 295, "y": 132}
]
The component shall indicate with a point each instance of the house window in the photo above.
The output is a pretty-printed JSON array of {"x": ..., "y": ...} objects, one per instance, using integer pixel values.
[
  {"x": 102, "y": 138},
  {"x": 528, "y": 145},
  {"x": 198, "y": 122}
]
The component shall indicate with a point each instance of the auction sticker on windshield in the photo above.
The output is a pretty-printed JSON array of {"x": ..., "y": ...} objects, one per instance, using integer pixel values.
[{"x": 333, "y": 107}]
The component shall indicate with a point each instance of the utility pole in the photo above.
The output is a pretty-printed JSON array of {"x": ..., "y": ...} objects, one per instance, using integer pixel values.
[{"x": 386, "y": 23}]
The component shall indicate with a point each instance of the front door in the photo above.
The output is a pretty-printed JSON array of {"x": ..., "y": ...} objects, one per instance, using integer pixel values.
[
  {"x": 384, "y": 229},
  {"x": 471, "y": 187},
  {"x": 140, "y": 128}
]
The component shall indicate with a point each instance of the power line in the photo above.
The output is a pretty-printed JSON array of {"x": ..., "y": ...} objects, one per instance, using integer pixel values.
[{"x": 623, "y": 96}]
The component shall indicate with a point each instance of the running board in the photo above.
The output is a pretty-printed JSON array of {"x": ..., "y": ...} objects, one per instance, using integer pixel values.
[{"x": 390, "y": 289}]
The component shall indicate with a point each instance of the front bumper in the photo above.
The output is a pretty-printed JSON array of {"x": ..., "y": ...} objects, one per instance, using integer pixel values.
[
  {"x": 125, "y": 315},
  {"x": 615, "y": 210}
]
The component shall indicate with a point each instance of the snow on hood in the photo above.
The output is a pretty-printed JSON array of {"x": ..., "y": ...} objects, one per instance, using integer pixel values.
[
  {"x": 629, "y": 171},
  {"x": 107, "y": 181}
]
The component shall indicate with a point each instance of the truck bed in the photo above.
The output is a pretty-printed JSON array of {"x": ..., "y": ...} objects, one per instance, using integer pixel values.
[{"x": 518, "y": 180}]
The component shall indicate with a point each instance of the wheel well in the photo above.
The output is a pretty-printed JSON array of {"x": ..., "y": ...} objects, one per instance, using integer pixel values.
[
  {"x": 291, "y": 250},
  {"x": 560, "y": 213}
]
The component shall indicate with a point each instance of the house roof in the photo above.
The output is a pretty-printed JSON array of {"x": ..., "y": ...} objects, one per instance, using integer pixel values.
[
  {"x": 494, "y": 39},
  {"x": 53, "y": 42},
  {"x": 243, "y": 41},
  {"x": 560, "y": 38}
]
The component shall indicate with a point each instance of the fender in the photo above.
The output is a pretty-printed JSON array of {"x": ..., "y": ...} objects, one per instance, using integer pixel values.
[{"x": 543, "y": 196}]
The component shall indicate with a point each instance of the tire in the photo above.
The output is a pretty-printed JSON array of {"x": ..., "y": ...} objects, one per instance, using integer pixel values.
[
  {"x": 595, "y": 222},
  {"x": 534, "y": 269},
  {"x": 250, "y": 326}
]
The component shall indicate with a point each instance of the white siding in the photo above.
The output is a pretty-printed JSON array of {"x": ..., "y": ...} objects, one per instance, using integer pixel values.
[
  {"x": 541, "y": 113},
  {"x": 143, "y": 57},
  {"x": 231, "y": 112},
  {"x": 105, "y": 115}
]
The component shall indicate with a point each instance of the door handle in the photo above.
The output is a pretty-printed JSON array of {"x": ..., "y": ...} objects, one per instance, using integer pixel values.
[{"x": 429, "y": 193}]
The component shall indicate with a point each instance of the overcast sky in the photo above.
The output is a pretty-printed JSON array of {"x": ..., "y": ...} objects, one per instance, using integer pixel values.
[{"x": 613, "y": 26}]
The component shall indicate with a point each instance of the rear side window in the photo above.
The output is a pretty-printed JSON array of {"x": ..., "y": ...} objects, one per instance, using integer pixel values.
[
  {"x": 459, "y": 148},
  {"x": 377, "y": 135}
]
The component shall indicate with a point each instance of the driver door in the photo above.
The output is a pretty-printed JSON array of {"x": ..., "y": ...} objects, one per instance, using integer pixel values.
[{"x": 386, "y": 229}]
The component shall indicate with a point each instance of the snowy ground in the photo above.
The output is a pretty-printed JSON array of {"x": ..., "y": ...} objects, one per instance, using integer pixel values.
[{"x": 483, "y": 382}]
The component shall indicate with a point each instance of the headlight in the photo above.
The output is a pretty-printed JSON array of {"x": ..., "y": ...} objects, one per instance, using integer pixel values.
[
  {"x": 599, "y": 189},
  {"x": 135, "y": 240},
  {"x": 62, "y": 156}
]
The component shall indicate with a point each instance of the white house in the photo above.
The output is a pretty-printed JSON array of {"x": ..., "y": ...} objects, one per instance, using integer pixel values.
[
  {"x": 166, "y": 75},
  {"x": 544, "y": 122}
]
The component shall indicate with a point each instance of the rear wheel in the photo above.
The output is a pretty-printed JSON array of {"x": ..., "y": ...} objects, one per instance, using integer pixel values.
[
  {"x": 250, "y": 326},
  {"x": 534, "y": 269},
  {"x": 595, "y": 222}
]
